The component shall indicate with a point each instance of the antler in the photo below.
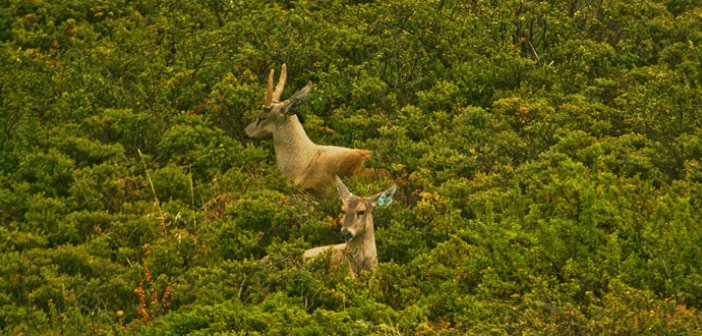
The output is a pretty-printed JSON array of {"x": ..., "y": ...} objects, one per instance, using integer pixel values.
[
  {"x": 269, "y": 89},
  {"x": 281, "y": 84},
  {"x": 274, "y": 96}
]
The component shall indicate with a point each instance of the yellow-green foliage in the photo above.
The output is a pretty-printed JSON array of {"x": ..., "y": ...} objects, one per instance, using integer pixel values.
[{"x": 548, "y": 156}]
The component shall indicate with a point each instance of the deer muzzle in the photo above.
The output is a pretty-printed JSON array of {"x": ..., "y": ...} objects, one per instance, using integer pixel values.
[{"x": 346, "y": 234}]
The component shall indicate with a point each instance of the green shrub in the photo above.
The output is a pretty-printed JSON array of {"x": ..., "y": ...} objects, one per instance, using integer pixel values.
[{"x": 547, "y": 157}]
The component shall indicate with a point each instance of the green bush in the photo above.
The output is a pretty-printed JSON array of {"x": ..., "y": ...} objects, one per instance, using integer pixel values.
[{"x": 547, "y": 156}]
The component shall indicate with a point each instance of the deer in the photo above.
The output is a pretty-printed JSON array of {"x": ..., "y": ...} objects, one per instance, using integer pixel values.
[
  {"x": 359, "y": 251},
  {"x": 307, "y": 164}
]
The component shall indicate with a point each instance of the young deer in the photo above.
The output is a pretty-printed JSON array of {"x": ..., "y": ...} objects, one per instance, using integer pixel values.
[
  {"x": 359, "y": 250},
  {"x": 309, "y": 165}
]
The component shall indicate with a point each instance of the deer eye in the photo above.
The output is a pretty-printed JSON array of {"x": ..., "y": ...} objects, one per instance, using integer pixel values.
[
  {"x": 361, "y": 213},
  {"x": 263, "y": 117}
]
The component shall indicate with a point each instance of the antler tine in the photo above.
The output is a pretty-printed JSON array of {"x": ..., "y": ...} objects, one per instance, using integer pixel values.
[
  {"x": 269, "y": 89},
  {"x": 281, "y": 84}
]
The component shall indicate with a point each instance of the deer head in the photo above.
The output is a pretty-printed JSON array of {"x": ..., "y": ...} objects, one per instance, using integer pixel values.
[
  {"x": 274, "y": 112},
  {"x": 358, "y": 211}
]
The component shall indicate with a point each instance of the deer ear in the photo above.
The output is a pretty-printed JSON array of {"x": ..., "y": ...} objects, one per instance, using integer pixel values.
[
  {"x": 344, "y": 192},
  {"x": 383, "y": 198},
  {"x": 299, "y": 97}
]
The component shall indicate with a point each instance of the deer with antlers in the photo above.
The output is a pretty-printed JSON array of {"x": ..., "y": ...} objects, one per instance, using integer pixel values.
[
  {"x": 359, "y": 251},
  {"x": 307, "y": 164}
]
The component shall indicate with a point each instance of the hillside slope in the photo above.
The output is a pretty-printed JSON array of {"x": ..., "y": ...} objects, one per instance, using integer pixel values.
[{"x": 548, "y": 157}]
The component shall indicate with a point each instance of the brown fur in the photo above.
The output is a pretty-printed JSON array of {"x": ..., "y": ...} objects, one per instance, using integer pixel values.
[
  {"x": 310, "y": 165},
  {"x": 359, "y": 251},
  {"x": 330, "y": 162}
]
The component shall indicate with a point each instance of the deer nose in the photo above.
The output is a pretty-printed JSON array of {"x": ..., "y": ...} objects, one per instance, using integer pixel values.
[{"x": 346, "y": 234}]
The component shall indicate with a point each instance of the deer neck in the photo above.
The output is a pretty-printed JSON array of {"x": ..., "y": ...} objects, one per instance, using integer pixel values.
[
  {"x": 362, "y": 252},
  {"x": 293, "y": 148}
]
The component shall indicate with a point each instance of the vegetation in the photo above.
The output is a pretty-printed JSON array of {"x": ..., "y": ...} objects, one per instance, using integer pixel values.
[{"x": 548, "y": 157}]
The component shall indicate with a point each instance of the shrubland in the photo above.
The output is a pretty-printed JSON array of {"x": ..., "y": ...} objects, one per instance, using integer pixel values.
[{"x": 548, "y": 157}]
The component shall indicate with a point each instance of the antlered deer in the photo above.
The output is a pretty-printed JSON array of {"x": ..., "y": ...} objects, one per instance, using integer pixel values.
[
  {"x": 359, "y": 250},
  {"x": 309, "y": 165}
]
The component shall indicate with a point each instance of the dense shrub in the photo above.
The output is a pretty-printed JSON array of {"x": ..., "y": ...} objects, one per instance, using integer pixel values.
[{"x": 548, "y": 158}]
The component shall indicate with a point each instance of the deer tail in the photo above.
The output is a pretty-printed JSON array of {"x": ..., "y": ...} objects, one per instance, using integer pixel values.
[{"x": 365, "y": 154}]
